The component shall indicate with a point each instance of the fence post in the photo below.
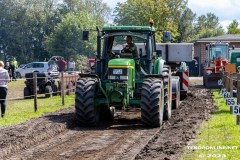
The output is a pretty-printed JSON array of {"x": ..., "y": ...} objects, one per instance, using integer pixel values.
[
  {"x": 238, "y": 95},
  {"x": 62, "y": 88},
  {"x": 231, "y": 84},
  {"x": 35, "y": 90},
  {"x": 226, "y": 81}
]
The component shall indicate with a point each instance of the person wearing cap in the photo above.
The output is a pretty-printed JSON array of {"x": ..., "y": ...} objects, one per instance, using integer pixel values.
[{"x": 4, "y": 79}]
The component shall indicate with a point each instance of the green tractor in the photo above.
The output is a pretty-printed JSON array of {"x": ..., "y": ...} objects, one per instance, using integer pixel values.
[{"x": 122, "y": 81}]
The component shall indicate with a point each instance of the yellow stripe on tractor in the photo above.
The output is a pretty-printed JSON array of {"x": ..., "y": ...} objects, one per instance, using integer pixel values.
[{"x": 121, "y": 67}]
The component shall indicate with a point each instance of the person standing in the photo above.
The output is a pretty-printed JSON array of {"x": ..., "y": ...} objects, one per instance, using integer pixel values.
[
  {"x": 4, "y": 79},
  {"x": 8, "y": 67},
  {"x": 15, "y": 66},
  {"x": 71, "y": 65},
  {"x": 61, "y": 64}
]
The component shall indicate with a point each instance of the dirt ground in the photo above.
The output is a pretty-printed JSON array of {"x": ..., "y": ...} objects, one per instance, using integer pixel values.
[{"x": 57, "y": 136}]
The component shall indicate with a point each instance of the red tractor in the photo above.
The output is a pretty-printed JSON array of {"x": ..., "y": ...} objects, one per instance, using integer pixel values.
[
  {"x": 217, "y": 57},
  {"x": 91, "y": 65}
]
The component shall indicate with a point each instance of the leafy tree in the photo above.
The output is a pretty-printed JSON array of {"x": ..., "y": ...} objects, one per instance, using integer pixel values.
[
  {"x": 186, "y": 25},
  {"x": 99, "y": 10},
  {"x": 67, "y": 41},
  {"x": 138, "y": 12},
  {"x": 208, "y": 26},
  {"x": 25, "y": 23},
  {"x": 233, "y": 27}
]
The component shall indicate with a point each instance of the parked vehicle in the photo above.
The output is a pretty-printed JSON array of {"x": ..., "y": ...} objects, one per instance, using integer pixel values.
[
  {"x": 41, "y": 67},
  {"x": 45, "y": 85},
  {"x": 217, "y": 61},
  {"x": 22, "y": 65}
]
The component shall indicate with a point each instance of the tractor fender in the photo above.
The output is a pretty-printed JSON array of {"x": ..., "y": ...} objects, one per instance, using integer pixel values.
[
  {"x": 175, "y": 83},
  {"x": 158, "y": 66},
  {"x": 161, "y": 64}
]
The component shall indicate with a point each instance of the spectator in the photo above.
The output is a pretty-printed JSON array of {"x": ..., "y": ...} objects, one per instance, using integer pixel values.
[
  {"x": 61, "y": 64},
  {"x": 14, "y": 67},
  {"x": 8, "y": 67},
  {"x": 4, "y": 79},
  {"x": 71, "y": 65}
]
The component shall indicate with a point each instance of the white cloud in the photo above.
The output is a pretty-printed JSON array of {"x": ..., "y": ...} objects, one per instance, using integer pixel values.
[{"x": 224, "y": 9}]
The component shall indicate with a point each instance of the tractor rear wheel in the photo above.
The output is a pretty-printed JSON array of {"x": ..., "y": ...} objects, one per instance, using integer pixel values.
[
  {"x": 152, "y": 106},
  {"x": 26, "y": 93},
  {"x": 48, "y": 91},
  {"x": 166, "y": 72},
  {"x": 86, "y": 113}
]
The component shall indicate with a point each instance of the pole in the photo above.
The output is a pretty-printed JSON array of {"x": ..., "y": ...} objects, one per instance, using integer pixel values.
[
  {"x": 35, "y": 90},
  {"x": 225, "y": 80},
  {"x": 62, "y": 88},
  {"x": 238, "y": 95},
  {"x": 231, "y": 84}
]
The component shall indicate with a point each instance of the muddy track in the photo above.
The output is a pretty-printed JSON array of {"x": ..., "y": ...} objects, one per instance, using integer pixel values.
[{"x": 57, "y": 136}]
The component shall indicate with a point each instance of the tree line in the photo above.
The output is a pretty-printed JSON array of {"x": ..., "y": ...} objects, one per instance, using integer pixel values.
[{"x": 35, "y": 30}]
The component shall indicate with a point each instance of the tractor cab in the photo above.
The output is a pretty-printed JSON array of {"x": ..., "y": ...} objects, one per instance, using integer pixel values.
[
  {"x": 122, "y": 70},
  {"x": 114, "y": 40},
  {"x": 217, "y": 53},
  {"x": 217, "y": 57}
]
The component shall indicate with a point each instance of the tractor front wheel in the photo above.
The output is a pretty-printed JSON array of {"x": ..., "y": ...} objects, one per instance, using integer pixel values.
[
  {"x": 152, "y": 107},
  {"x": 86, "y": 113}
]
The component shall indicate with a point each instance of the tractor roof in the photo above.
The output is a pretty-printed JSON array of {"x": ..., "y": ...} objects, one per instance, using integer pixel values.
[{"x": 128, "y": 28}]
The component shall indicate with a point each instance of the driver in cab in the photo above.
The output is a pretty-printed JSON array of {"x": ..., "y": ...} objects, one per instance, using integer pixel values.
[{"x": 130, "y": 47}]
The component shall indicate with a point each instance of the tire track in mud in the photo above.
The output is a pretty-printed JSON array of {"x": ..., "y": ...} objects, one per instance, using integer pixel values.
[
  {"x": 56, "y": 136},
  {"x": 120, "y": 140}
]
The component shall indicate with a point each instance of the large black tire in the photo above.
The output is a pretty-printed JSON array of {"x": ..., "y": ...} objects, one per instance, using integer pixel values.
[
  {"x": 55, "y": 90},
  {"x": 166, "y": 72},
  {"x": 86, "y": 113},
  {"x": 176, "y": 102},
  {"x": 48, "y": 91},
  {"x": 152, "y": 106},
  {"x": 26, "y": 93},
  {"x": 18, "y": 75}
]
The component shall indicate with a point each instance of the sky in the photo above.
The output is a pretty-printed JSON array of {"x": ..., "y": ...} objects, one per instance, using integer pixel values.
[{"x": 225, "y": 10}]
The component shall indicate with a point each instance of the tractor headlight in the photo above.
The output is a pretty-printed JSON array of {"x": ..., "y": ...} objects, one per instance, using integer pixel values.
[
  {"x": 118, "y": 71},
  {"x": 209, "y": 71}
]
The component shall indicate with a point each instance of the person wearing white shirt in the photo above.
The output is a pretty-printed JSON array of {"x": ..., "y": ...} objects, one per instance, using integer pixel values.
[
  {"x": 4, "y": 79},
  {"x": 71, "y": 65}
]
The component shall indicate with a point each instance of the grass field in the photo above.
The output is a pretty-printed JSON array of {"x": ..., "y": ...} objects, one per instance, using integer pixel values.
[
  {"x": 19, "y": 111},
  {"x": 220, "y": 131}
]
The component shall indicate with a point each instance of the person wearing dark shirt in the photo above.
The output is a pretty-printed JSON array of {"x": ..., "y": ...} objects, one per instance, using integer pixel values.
[{"x": 61, "y": 64}]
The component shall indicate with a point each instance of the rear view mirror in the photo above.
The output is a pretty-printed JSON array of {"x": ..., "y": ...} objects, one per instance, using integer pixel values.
[
  {"x": 166, "y": 36},
  {"x": 85, "y": 35}
]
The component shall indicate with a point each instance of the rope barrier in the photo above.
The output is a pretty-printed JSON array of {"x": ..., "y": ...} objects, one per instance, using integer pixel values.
[{"x": 31, "y": 96}]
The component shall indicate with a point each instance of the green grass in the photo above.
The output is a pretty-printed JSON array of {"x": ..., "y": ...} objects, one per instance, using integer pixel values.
[
  {"x": 220, "y": 130},
  {"x": 19, "y": 111}
]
